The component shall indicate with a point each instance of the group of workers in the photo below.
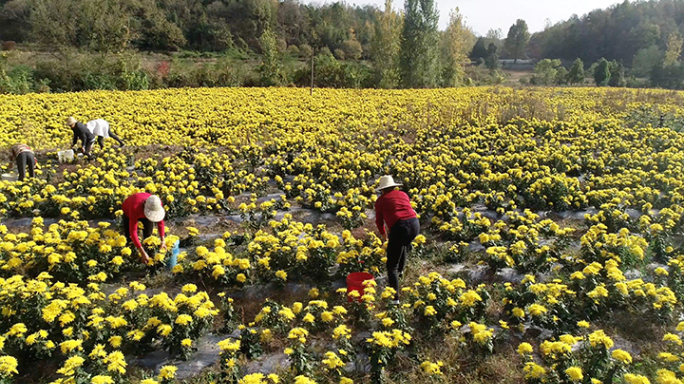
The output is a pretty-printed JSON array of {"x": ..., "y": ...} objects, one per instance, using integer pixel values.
[
  {"x": 94, "y": 130},
  {"x": 87, "y": 133},
  {"x": 396, "y": 220}
]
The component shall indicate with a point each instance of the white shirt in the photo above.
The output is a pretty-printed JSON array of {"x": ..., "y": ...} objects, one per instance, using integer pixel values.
[{"x": 98, "y": 127}]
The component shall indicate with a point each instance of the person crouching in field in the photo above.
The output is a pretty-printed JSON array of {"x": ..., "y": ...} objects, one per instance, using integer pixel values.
[
  {"x": 82, "y": 133},
  {"x": 147, "y": 209},
  {"x": 393, "y": 208},
  {"x": 25, "y": 159},
  {"x": 100, "y": 129}
]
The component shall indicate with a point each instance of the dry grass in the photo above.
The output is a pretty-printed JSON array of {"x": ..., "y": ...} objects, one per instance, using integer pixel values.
[{"x": 460, "y": 366}]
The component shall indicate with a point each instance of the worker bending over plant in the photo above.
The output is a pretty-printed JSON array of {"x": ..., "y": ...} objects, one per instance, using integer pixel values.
[
  {"x": 393, "y": 208},
  {"x": 147, "y": 209}
]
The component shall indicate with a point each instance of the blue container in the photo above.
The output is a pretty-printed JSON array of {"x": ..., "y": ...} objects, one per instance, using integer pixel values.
[{"x": 173, "y": 259}]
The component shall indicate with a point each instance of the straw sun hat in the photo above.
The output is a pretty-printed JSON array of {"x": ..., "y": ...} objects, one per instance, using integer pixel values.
[
  {"x": 154, "y": 211},
  {"x": 71, "y": 121},
  {"x": 387, "y": 182}
]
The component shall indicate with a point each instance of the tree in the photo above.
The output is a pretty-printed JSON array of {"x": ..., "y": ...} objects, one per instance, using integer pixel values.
[
  {"x": 271, "y": 68},
  {"x": 545, "y": 72},
  {"x": 495, "y": 36},
  {"x": 517, "y": 39},
  {"x": 492, "y": 60},
  {"x": 456, "y": 41},
  {"x": 616, "y": 33},
  {"x": 419, "y": 56},
  {"x": 248, "y": 19},
  {"x": 385, "y": 47},
  {"x": 645, "y": 34},
  {"x": 674, "y": 48},
  {"x": 15, "y": 18},
  {"x": 352, "y": 49},
  {"x": 617, "y": 74},
  {"x": 668, "y": 76},
  {"x": 339, "y": 54},
  {"x": 104, "y": 26},
  {"x": 561, "y": 76},
  {"x": 329, "y": 72},
  {"x": 51, "y": 23},
  {"x": 292, "y": 22},
  {"x": 576, "y": 74},
  {"x": 602, "y": 73},
  {"x": 479, "y": 49},
  {"x": 305, "y": 50},
  {"x": 645, "y": 60}
]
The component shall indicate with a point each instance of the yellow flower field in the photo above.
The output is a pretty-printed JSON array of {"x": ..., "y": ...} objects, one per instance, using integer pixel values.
[{"x": 550, "y": 248}]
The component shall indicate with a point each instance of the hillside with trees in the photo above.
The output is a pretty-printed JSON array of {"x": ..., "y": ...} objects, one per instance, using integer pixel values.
[
  {"x": 642, "y": 39},
  {"x": 72, "y": 45},
  {"x": 140, "y": 44}
]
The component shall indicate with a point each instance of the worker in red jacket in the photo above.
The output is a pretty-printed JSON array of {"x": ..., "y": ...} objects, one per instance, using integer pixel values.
[
  {"x": 393, "y": 208},
  {"x": 147, "y": 209}
]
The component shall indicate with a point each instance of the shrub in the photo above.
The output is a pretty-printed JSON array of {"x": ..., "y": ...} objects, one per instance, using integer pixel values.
[
  {"x": 19, "y": 80},
  {"x": 163, "y": 68},
  {"x": 339, "y": 54},
  {"x": 357, "y": 75},
  {"x": 271, "y": 68},
  {"x": 352, "y": 49},
  {"x": 8, "y": 45},
  {"x": 546, "y": 72},
  {"x": 305, "y": 50},
  {"x": 327, "y": 73},
  {"x": 281, "y": 45}
]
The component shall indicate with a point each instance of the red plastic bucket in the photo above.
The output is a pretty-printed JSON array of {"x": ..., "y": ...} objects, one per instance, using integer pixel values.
[{"x": 355, "y": 282}]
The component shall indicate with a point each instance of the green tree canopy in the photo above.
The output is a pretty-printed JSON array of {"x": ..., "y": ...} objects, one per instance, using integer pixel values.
[
  {"x": 576, "y": 73},
  {"x": 602, "y": 73},
  {"x": 385, "y": 47},
  {"x": 517, "y": 39},
  {"x": 419, "y": 56},
  {"x": 456, "y": 42}
]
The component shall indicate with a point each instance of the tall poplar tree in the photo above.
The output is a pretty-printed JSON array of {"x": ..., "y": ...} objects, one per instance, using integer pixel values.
[
  {"x": 456, "y": 42},
  {"x": 419, "y": 53},
  {"x": 385, "y": 47},
  {"x": 674, "y": 48}
]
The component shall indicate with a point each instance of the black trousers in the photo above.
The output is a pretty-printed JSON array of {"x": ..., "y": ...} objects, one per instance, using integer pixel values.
[
  {"x": 402, "y": 233},
  {"x": 148, "y": 228},
  {"x": 87, "y": 147},
  {"x": 100, "y": 139},
  {"x": 25, "y": 160}
]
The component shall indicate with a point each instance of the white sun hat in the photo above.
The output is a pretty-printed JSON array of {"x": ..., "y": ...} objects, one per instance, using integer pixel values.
[
  {"x": 71, "y": 121},
  {"x": 154, "y": 211},
  {"x": 387, "y": 182}
]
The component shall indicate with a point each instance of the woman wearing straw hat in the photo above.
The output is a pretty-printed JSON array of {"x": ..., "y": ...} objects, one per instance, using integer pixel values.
[
  {"x": 145, "y": 208},
  {"x": 393, "y": 208},
  {"x": 82, "y": 133}
]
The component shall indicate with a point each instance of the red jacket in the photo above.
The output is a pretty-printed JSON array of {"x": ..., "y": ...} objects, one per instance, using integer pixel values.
[
  {"x": 392, "y": 207},
  {"x": 134, "y": 209}
]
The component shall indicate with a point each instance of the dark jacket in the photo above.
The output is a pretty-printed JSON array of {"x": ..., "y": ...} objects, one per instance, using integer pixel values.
[{"x": 82, "y": 133}]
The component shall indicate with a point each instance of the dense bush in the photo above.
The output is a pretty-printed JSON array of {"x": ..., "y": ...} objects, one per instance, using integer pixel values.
[
  {"x": 8, "y": 45},
  {"x": 332, "y": 73},
  {"x": 86, "y": 72}
]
